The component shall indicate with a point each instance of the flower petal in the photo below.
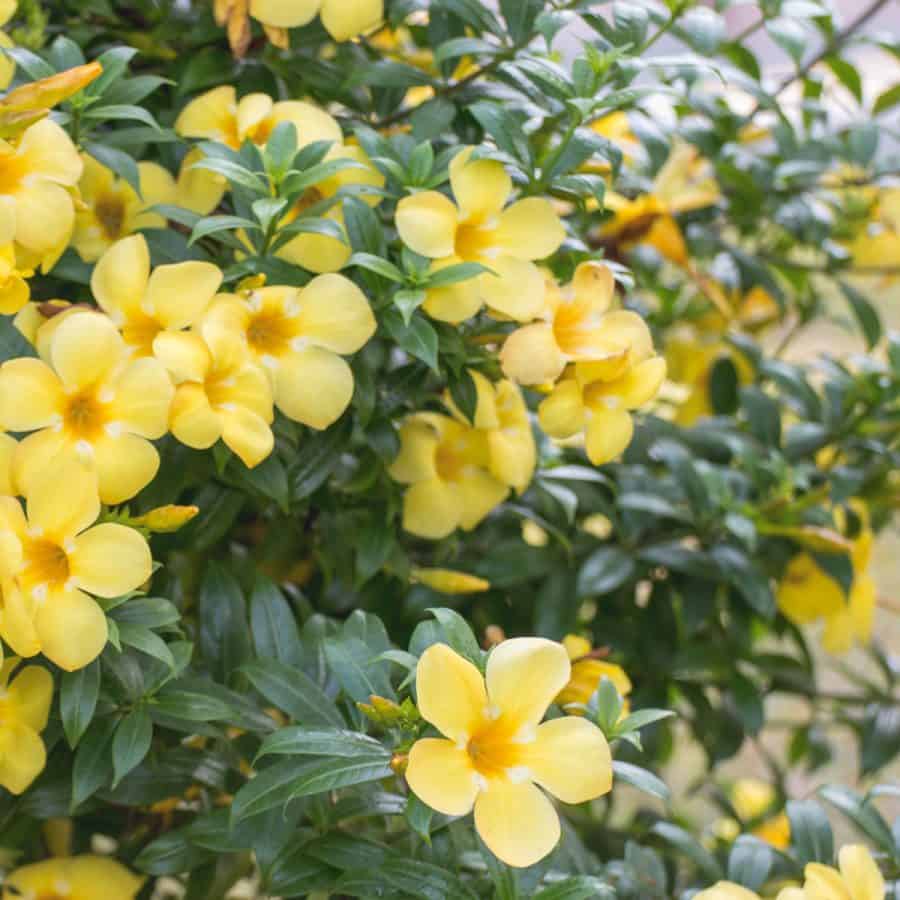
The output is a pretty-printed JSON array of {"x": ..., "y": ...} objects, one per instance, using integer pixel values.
[
  {"x": 562, "y": 414},
  {"x": 252, "y": 109},
  {"x": 183, "y": 354},
  {"x": 30, "y": 695},
  {"x": 441, "y": 775},
  {"x": 199, "y": 190},
  {"x": 86, "y": 872},
  {"x": 825, "y": 883},
  {"x": 109, "y": 560},
  {"x": 313, "y": 386},
  {"x": 211, "y": 115},
  {"x": 63, "y": 501},
  {"x": 192, "y": 420},
  {"x": 427, "y": 223},
  {"x": 432, "y": 509},
  {"x": 311, "y": 123},
  {"x": 513, "y": 456},
  {"x": 17, "y": 621},
  {"x": 45, "y": 218},
  {"x": 144, "y": 394},
  {"x": 609, "y": 432},
  {"x": 319, "y": 253},
  {"x": 247, "y": 434},
  {"x": 594, "y": 284},
  {"x": 517, "y": 822},
  {"x": 481, "y": 188},
  {"x": 479, "y": 493},
  {"x": 34, "y": 455},
  {"x": 22, "y": 757},
  {"x": 30, "y": 395},
  {"x": 125, "y": 466},
  {"x": 157, "y": 186},
  {"x": 84, "y": 349},
  {"x": 453, "y": 303},
  {"x": 450, "y": 692},
  {"x": 570, "y": 758},
  {"x": 516, "y": 290},
  {"x": 523, "y": 677},
  {"x": 284, "y": 13},
  {"x": 120, "y": 278},
  {"x": 727, "y": 890},
  {"x": 7, "y": 449},
  {"x": 861, "y": 873},
  {"x": 642, "y": 383},
  {"x": 530, "y": 229},
  {"x": 335, "y": 314},
  {"x": 50, "y": 152},
  {"x": 416, "y": 459},
  {"x": 530, "y": 355},
  {"x": 72, "y": 628},
  {"x": 344, "y": 20},
  {"x": 178, "y": 294}
]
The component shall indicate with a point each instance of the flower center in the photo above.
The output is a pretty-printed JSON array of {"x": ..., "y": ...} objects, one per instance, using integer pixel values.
[
  {"x": 473, "y": 241},
  {"x": 140, "y": 332},
  {"x": 110, "y": 213},
  {"x": 13, "y": 168},
  {"x": 270, "y": 334},
  {"x": 493, "y": 751},
  {"x": 449, "y": 463},
  {"x": 46, "y": 563},
  {"x": 84, "y": 416}
]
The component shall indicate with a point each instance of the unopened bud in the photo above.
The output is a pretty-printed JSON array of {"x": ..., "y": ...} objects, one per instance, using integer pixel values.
[
  {"x": 399, "y": 762},
  {"x": 449, "y": 581},
  {"x": 45, "y": 93},
  {"x": 166, "y": 519}
]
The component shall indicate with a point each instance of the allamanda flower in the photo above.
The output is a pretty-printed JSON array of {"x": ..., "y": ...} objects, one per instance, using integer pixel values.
[
  {"x": 37, "y": 174},
  {"x": 342, "y": 19},
  {"x": 111, "y": 209},
  {"x": 479, "y": 227},
  {"x": 89, "y": 399},
  {"x": 72, "y": 878},
  {"x": 299, "y": 336},
  {"x": 458, "y": 471},
  {"x": 807, "y": 593},
  {"x": 151, "y": 308},
  {"x": 14, "y": 290},
  {"x": 587, "y": 673},
  {"x": 858, "y": 878},
  {"x": 221, "y": 393},
  {"x": 596, "y": 397},
  {"x": 496, "y": 755},
  {"x": 52, "y": 561},
  {"x": 24, "y": 707},
  {"x": 576, "y": 325}
]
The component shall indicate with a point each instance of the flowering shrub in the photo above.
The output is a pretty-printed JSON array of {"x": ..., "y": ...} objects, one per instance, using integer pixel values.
[{"x": 405, "y": 455}]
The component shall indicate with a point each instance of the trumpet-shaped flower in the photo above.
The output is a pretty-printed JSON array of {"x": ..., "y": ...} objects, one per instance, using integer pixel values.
[
  {"x": 458, "y": 472},
  {"x": 858, "y": 877},
  {"x": 342, "y": 19},
  {"x": 299, "y": 336},
  {"x": 112, "y": 209},
  {"x": 14, "y": 290},
  {"x": 480, "y": 227},
  {"x": 24, "y": 707},
  {"x": 575, "y": 326},
  {"x": 596, "y": 397},
  {"x": 37, "y": 173},
  {"x": 90, "y": 400},
  {"x": 587, "y": 673},
  {"x": 496, "y": 755},
  {"x": 73, "y": 878},
  {"x": 222, "y": 394},
  {"x": 146, "y": 305},
  {"x": 807, "y": 593},
  {"x": 52, "y": 561}
]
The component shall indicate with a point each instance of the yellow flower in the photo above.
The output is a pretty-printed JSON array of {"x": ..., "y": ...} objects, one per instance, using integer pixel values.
[
  {"x": 151, "y": 309},
  {"x": 575, "y": 326},
  {"x": 753, "y": 799},
  {"x": 90, "y": 400},
  {"x": 587, "y": 674},
  {"x": 480, "y": 228},
  {"x": 221, "y": 393},
  {"x": 37, "y": 173},
  {"x": 7, "y": 63},
  {"x": 449, "y": 581},
  {"x": 807, "y": 593},
  {"x": 299, "y": 335},
  {"x": 7, "y": 450},
  {"x": 879, "y": 244},
  {"x": 616, "y": 128},
  {"x": 14, "y": 290},
  {"x": 73, "y": 878},
  {"x": 859, "y": 878},
  {"x": 342, "y": 19},
  {"x": 52, "y": 561},
  {"x": 496, "y": 754},
  {"x": 726, "y": 890},
  {"x": 112, "y": 210},
  {"x": 596, "y": 397},
  {"x": 24, "y": 708},
  {"x": 457, "y": 471}
]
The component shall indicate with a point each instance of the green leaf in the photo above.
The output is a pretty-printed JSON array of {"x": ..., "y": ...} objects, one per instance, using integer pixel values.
[
  {"x": 78, "y": 700},
  {"x": 150, "y": 612},
  {"x": 13, "y": 343},
  {"x": 686, "y": 844},
  {"x": 301, "y": 741},
  {"x": 811, "y": 834},
  {"x": 377, "y": 265},
  {"x": 146, "y": 641},
  {"x": 641, "y": 779},
  {"x": 224, "y": 638},
  {"x": 520, "y": 16},
  {"x": 579, "y": 887},
  {"x": 458, "y": 633},
  {"x": 171, "y": 854},
  {"x": 865, "y": 313},
  {"x": 418, "y": 817},
  {"x": 790, "y": 35},
  {"x": 321, "y": 452},
  {"x": 455, "y": 273},
  {"x": 606, "y": 706},
  {"x": 408, "y": 302},
  {"x": 887, "y": 100},
  {"x": 418, "y": 338},
  {"x": 605, "y": 570},
  {"x": 131, "y": 743},
  {"x": 91, "y": 769},
  {"x": 355, "y": 667},
  {"x": 272, "y": 624},
  {"x": 863, "y": 815},
  {"x": 234, "y": 172},
  {"x": 293, "y": 692},
  {"x": 847, "y": 74},
  {"x": 763, "y": 416},
  {"x": 750, "y": 862},
  {"x": 116, "y": 112},
  {"x": 216, "y": 224},
  {"x": 285, "y": 781},
  {"x": 191, "y": 706},
  {"x": 117, "y": 161}
]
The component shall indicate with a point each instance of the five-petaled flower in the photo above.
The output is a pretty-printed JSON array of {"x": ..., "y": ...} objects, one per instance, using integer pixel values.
[
  {"x": 24, "y": 707},
  {"x": 342, "y": 19},
  {"x": 496, "y": 754}
]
